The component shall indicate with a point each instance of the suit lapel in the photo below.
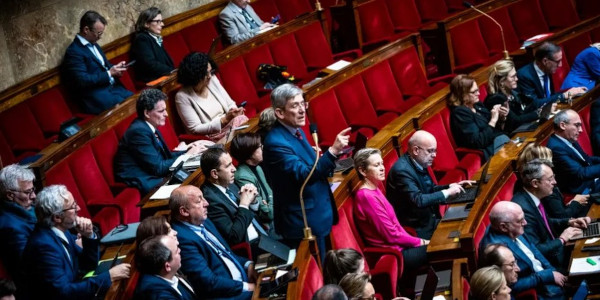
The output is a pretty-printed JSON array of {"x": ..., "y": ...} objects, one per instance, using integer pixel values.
[
  {"x": 89, "y": 53},
  {"x": 538, "y": 84},
  {"x": 519, "y": 253},
  {"x": 307, "y": 153}
]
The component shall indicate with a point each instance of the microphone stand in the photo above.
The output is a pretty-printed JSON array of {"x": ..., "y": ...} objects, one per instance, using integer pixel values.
[
  {"x": 307, "y": 231},
  {"x": 505, "y": 52}
]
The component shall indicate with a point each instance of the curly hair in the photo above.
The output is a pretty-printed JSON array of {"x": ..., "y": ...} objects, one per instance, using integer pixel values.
[
  {"x": 193, "y": 68},
  {"x": 459, "y": 88}
]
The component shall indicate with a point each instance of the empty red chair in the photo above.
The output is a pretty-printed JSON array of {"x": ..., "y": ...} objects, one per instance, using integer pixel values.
[
  {"x": 468, "y": 46},
  {"x": 105, "y": 148},
  {"x": 290, "y": 9},
  {"x": 310, "y": 277},
  {"x": 559, "y": 14},
  {"x": 410, "y": 76},
  {"x": 493, "y": 37},
  {"x": 238, "y": 83},
  {"x": 404, "y": 15},
  {"x": 176, "y": 46},
  {"x": 29, "y": 136},
  {"x": 328, "y": 116},
  {"x": 383, "y": 90},
  {"x": 432, "y": 10},
  {"x": 587, "y": 8},
  {"x": 6, "y": 155},
  {"x": 285, "y": 52},
  {"x": 199, "y": 37},
  {"x": 584, "y": 138},
  {"x": 50, "y": 110},
  {"x": 315, "y": 48},
  {"x": 376, "y": 26},
  {"x": 527, "y": 19}
]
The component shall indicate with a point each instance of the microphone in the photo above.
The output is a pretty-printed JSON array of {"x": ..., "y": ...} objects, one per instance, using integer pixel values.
[
  {"x": 307, "y": 231},
  {"x": 469, "y": 5}
]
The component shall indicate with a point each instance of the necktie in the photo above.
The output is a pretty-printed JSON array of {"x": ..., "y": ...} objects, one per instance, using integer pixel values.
[
  {"x": 547, "y": 85},
  {"x": 298, "y": 134},
  {"x": 543, "y": 212},
  {"x": 222, "y": 251},
  {"x": 231, "y": 195},
  {"x": 159, "y": 40},
  {"x": 160, "y": 144},
  {"x": 249, "y": 19}
]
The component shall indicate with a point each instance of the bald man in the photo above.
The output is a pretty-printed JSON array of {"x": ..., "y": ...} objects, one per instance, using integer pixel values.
[
  {"x": 411, "y": 190},
  {"x": 507, "y": 225},
  {"x": 575, "y": 170}
]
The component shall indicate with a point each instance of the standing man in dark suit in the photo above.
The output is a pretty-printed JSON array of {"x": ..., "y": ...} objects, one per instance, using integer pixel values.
[
  {"x": 17, "y": 217},
  {"x": 288, "y": 160},
  {"x": 239, "y": 22},
  {"x": 229, "y": 206},
  {"x": 206, "y": 259},
  {"x": 90, "y": 75},
  {"x": 535, "y": 79},
  {"x": 538, "y": 182},
  {"x": 507, "y": 222},
  {"x": 575, "y": 170},
  {"x": 143, "y": 158},
  {"x": 53, "y": 262},
  {"x": 158, "y": 258},
  {"x": 411, "y": 190},
  {"x": 152, "y": 60}
]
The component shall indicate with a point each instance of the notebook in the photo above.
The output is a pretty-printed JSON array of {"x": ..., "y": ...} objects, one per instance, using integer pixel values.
[
  {"x": 277, "y": 255},
  {"x": 123, "y": 233}
]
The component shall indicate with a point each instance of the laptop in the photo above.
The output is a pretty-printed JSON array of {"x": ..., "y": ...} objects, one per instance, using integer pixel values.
[
  {"x": 123, "y": 233},
  {"x": 593, "y": 230},
  {"x": 457, "y": 212},
  {"x": 277, "y": 254},
  {"x": 545, "y": 115},
  {"x": 345, "y": 164},
  {"x": 471, "y": 193},
  {"x": 427, "y": 285}
]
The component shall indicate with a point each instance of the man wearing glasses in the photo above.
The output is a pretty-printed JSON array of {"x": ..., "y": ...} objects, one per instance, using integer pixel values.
[
  {"x": 535, "y": 79},
  {"x": 92, "y": 78},
  {"x": 499, "y": 255},
  {"x": 54, "y": 262},
  {"x": 412, "y": 191},
  {"x": 507, "y": 225},
  {"x": 17, "y": 217}
]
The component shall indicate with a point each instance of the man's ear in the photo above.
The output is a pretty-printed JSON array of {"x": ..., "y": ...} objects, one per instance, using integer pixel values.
[
  {"x": 279, "y": 113},
  {"x": 213, "y": 174},
  {"x": 56, "y": 219},
  {"x": 183, "y": 211},
  {"x": 504, "y": 227},
  {"x": 146, "y": 114},
  {"x": 10, "y": 196},
  {"x": 167, "y": 267}
]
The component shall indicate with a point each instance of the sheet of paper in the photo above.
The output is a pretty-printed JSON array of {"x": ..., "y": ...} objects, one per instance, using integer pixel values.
[
  {"x": 280, "y": 273},
  {"x": 164, "y": 192},
  {"x": 582, "y": 266},
  {"x": 591, "y": 241},
  {"x": 338, "y": 65}
]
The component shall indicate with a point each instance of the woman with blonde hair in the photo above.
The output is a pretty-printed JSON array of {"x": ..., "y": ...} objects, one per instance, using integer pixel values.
[
  {"x": 502, "y": 86},
  {"x": 473, "y": 125},
  {"x": 554, "y": 204},
  {"x": 488, "y": 283}
]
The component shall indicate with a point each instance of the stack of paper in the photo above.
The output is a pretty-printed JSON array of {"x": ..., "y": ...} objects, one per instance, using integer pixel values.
[{"x": 581, "y": 266}]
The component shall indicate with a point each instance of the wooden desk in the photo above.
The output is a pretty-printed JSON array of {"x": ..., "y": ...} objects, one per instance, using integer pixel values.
[{"x": 593, "y": 280}]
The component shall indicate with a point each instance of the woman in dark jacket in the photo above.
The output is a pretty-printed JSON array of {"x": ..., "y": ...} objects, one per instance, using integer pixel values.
[{"x": 474, "y": 126}]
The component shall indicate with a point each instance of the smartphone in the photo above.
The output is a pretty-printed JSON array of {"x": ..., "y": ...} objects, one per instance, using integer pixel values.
[
  {"x": 129, "y": 64},
  {"x": 275, "y": 19},
  {"x": 243, "y": 104}
]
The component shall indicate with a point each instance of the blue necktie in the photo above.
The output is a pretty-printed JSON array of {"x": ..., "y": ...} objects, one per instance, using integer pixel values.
[
  {"x": 547, "y": 85},
  {"x": 100, "y": 59},
  {"x": 222, "y": 251},
  {"x": 249, "y": 19}
]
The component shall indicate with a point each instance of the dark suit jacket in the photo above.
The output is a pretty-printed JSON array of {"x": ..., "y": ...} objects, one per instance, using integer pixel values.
[
  {"x": 152, "y": 61},
  {"x": 204, "y": 269},
  {"x": 555, "y": 206},
  {"x": 542, "y": 281},
  {"x": 16, "y": 225},
  {"x": 471, "y": 130},
  {"x": 573, "y": 175},
  {"x": 537, "y": 233},
  {"x": 89, "y": 80},
  {"x": 517, "y": 115},
  {"x": 150, "y": 287},
  {"x": 141, "y": 162},
  {"x": 232, "y": 222},
  {"x": 50, "y": 273},
  {"x": 287, "y": 163},
  {"x": 529, "y": 85},
  {"x": 415, "y": 205}
]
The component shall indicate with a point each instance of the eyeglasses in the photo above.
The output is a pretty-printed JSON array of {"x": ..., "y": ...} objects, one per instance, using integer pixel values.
[
  {"x": 156, "y": 21},
  {"x": 97, "y": 33},
  {"x": 73, "y": 206},
  {"x": 26, "y": 192},
  {"x": 511, "y": 264},
  {"x": 430, "y": 151},
  {"x": 297, "y": 105}
]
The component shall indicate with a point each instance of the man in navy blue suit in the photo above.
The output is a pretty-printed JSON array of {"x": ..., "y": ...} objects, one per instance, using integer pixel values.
[
  {"x": 288, "y": 160},
  {"x": 535, "y": 79},
  {"x": 575, "y": 170},
  {"x": 206, "y": 259},
  {"x": 17, "y": 217},
  {"x": 507, "y": 223},
  {"x": 92, "y": 78},
  {"x": 54, "y": 262},
  {"x": 143, "y": 158},
  {"x": 158, "y": 259}
]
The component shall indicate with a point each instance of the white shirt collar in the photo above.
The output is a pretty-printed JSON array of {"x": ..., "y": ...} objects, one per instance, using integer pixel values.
[
  {"x": 83, "y": 40},
  {"x": 172, "y": 282},
  {"x": 564, "y": 140},
  {"x": 539, "y": 71},
  {"x": 59, "y": 233}
]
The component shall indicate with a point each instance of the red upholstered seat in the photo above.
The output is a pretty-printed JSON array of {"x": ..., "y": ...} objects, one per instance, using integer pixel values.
[
  {"x": 483, "y": 92},
  {"x": 105, "y": 148},
  {"x": 313, "y": 46},
  {"x": 128, "y": 77},
  {"x": 176, "y": 47},
  {"x": 290, "y": 9},
  {"x": 410, "y": 75},
  {"x": 388, "y": 161},
  {"x": 572, "y": 46},
  {"x": 266, "y": 9},
  {"x": 559, "y": 14},
  {"x": 469, "y": 48},
  {"x": 375, "y": 24},
  {"x": 253, "y": 59},
  {"x": 50, "y": 110},
  {"x": 169, "y": 134},
  {"x": 584, "y": 138},
  {"x": 105, "y": 218},
  {"x": 178, "y": 126},
  {"x": 285, "y": 52},
  {"x": 383, "y": 90},
  {"x": 122, "y": 126},
  {"x": 6, "y": 155},
  {"x": 492, "y": 36},
  {"x": 455, "y": 5},
  {"x": 29, "y": 137},
  {"x": 506, "y": 192},
  {"x": 587, "y": 8},
  {"x": 404, "y": 15},
  {"x": 328, "y": 117},
  {"x": 199, "y": 36},
  {"x": 522, "y": 13},
  {"x": 237, "y": 81},
  {"x": 312, "y": 281},
  {"x": 432, "y": 10},
  {"x": 561, "y": 72}
]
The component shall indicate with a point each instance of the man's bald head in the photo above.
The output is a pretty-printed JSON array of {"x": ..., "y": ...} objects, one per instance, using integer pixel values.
[
  {"x": 508, "y": 218},
  {"x": 422, "y": 147},
  {"x": 187, "y": 204}
]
